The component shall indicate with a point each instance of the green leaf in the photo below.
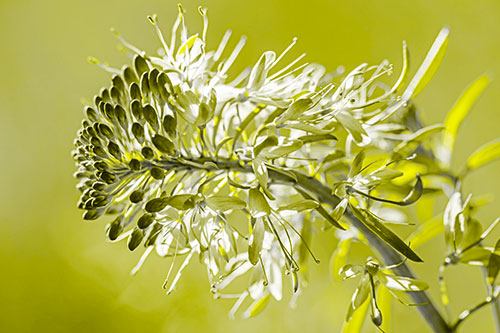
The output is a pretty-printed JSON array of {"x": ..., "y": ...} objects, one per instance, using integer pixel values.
[
  {"x": 297, "y": 108},
  {"x": 283, "y": 149},
  {"x": 484, "y": 154},
  {"x": 426, "y": 231},
  {"x": 225, "y": 203},
  {"x": 460, "y": 110},
  {"x": 258, "y": 204},
  {"x": 205, "y": 114},
  {"x": 328, "y": 217},
  {"x": 357, "y": 164},
  {"x": 407, "y": 146},
  {"x": 494, "y": 264},
  {"x": 300, "y": 206},
  {"x": 381, "y": 176},
  {"x": 472, "y": 235},
  {"x": 351, "y": 125},
  {"x": 476, "y": 256},
  {"x": 335, "y": 155},
  {"x": 243, "y": 125},
  {"x": 359, "y": 297},
  {"x": 429, "y": 66},
  {"x": 385, "y": 233},
  {"x": 355, "y": 324},
  {"x": 269, "y": 141},
  {"x": 315, "y": 138},
  {"x": 401, "y": 283},
  {"x": 256, "y": 240},
  {"x": 260, "y": 171},
  {"x": 375, "y": 314},
  {"x": 339, "y": 210}
]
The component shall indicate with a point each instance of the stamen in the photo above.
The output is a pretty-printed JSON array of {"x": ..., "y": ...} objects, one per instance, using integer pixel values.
[
  {"x": 142, "y": 260},
  {"x": 94, "y": 61},
  {"x": 266, "y": 281},
  {"x": 154, "y": 22},
  {"x": 237, "y": 305},
  {"x": 294, "y": 40},
  {"x": 179, "y": 272},
  {"x": 164, "y": 286},
  {"x": 127, "y": 44},
  {"x": 222, "y": 45},
  {"x": 174, "y": 31},
  {"x": 184, "y": 32},
  {"x": 242, "y": 76},
  {"x": 233, "y": 55},
  {"x": 303, "y": 240},
  {"x": 203, "y": 13},
  {"x": 287, "y": 67}
]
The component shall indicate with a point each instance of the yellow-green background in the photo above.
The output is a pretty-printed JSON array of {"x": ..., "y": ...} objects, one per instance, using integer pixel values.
[{"x": 57, "y": 272}]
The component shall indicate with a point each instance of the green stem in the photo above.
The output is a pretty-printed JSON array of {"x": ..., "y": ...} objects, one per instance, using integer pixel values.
[
  {"x": 312, "y": 185},
  {"x": 495, "y": 304},
  {"x": 465, "y": 314}
]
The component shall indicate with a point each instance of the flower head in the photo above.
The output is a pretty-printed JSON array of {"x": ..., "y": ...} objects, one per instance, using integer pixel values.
[{"x": 189, "y": 161}]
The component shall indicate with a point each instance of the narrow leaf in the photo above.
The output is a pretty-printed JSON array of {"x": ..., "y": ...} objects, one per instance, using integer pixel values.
[
  {"x": 283, "y": 149},
  {"x": 476, "y": 256},
  {"x": 359, "y": 297},
  {"x": 256, "y": 240},
  {"x": 356, "y": 323},
  {"x": 357, "y": 164},
  {"x": 225, "y": 203},
  {"x": 385, "y": 234},
  {"x": 429, "y": 66},
  {"x": 426, "y": 231},
  {"x": 257, "y": 203},
  {"x": 351, "y": 125},
  {"x": 300, "y": 206},
  {"x": 460, "y": 110},
  {"x": 297, "y": 108},
  {"x": 494, "y": 264},
  {"x": 484, "y": 154},
  {"x": 400, "y": 283},
  {"x": 315, "y": 138}
]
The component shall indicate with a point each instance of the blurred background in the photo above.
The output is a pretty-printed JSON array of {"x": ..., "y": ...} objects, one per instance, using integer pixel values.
[{"x": 58, "y": 274}]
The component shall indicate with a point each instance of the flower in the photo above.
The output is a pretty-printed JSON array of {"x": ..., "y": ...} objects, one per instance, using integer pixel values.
[{"x": 185, "y": 159}]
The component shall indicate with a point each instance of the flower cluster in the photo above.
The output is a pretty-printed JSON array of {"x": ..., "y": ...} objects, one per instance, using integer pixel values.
[{"x": 189, "y": 161}]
